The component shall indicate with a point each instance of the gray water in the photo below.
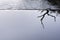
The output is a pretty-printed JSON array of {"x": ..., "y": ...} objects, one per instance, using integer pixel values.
[{"x": 24, "y": 25}]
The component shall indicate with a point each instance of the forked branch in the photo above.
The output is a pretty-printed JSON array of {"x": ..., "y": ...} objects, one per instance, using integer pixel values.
[{"x": 47, "y": 13}]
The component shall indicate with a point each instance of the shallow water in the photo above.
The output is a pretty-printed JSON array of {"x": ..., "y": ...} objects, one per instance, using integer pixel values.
[{"x": 24, "y": 25}]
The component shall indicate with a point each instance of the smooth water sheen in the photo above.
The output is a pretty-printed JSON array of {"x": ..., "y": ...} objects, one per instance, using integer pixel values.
[{"x": 24, "y": 25}]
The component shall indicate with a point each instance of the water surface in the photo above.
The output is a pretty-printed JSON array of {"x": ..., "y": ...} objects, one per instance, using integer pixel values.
[{"x": 24, "y": 25}]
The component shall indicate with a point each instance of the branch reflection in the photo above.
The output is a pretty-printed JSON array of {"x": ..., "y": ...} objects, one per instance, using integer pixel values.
[{"x": 47, "y": 13}]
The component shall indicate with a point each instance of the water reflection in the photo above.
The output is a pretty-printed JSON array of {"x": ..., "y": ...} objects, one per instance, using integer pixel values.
[
  {"x": 24, "y": 25},
  {"x": 49, "y": 14}
]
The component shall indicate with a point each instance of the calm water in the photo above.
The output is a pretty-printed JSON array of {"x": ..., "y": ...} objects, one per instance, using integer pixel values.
[{"x": 24, "y": 25}]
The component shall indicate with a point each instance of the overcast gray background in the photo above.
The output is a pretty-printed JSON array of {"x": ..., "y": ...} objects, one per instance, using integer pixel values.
[
  {"x": 24, "y": 4},
  {"x": 24, "y": 25}
]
